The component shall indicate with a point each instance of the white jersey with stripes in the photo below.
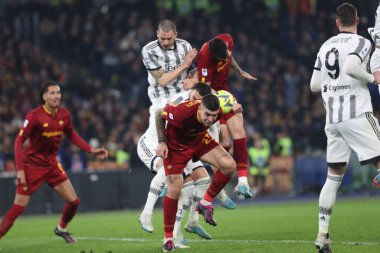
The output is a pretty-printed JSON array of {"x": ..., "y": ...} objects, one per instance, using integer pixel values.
[
  {"x": 155, "y": 58},
  {"x": 375, "y": 31},
  {"x": 344, "y": 97}
]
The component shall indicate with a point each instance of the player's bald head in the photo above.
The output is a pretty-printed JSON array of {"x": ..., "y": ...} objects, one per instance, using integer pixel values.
[{"x": 167, "y": 26}]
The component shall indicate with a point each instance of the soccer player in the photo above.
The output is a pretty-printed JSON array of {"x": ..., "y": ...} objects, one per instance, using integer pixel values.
[
  {"x": 196, "y": 178},
  {"x": 375, "y": 34},
  {"x": 186, "y": 139},
  {"x": 44, "y": 128},
  {"x": 341, "y": 77},
  {"x": 214, "y": 63}
]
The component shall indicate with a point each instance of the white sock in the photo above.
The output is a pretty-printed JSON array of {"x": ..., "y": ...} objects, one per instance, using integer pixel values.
[
  {"x": 201, "y": 186},
  {"x": 155, "y": 189},
  {"x": 61, "y": 229},
  {"x": 327, "y": 201},
  {"x": 184, "y": 203},
  {"x": 222, "y": 196},
  {"x": 243, "y": 180}
]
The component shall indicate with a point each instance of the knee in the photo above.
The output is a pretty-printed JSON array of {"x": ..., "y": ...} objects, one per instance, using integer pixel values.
[
  {"x": 229, "y": 167},
  {"x": 75, "y": 203}
]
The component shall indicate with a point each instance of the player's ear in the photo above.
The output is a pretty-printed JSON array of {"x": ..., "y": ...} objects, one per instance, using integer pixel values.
[{"x": 357, "y": 20}]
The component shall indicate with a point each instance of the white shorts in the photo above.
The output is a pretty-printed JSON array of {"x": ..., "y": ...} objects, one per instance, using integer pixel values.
[
  {"x": 361, "y": 134},
  {"x": 146, "y": 150},
  {"x": 375, "y": 60}
]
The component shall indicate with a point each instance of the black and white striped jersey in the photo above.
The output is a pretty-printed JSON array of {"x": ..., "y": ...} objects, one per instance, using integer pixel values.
[
  {"x": 155, "y": 57},
  {"x": 344, "y": 97},
  {"x": 375, "y": 31}
]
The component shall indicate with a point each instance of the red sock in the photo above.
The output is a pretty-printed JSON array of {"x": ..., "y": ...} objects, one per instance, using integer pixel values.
[
  {"x": 9, "y": 218},
  {"x": 241, "y": 156},
  {"x": 68, "y": 212},
  {"x": 170, "y": 209},
  {"x": 219, "y": 180}
]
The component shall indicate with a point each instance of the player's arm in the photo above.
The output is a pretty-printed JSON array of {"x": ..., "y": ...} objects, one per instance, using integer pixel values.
[
  {"x": 75, "y": 138},
  {"x": 164, "y": 78},
  {"x": 241, "y": 72},
  {"x": 26, "y": 130},
  {"x": 162, "y": 149},
  {"x": 315, "y": 83},
  {"x": 352, "y": 66}
]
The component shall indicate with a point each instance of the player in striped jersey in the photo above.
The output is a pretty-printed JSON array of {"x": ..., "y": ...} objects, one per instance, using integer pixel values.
[
  {"x": 340, "y": 75},
  {"x": 375, "y": 34}
]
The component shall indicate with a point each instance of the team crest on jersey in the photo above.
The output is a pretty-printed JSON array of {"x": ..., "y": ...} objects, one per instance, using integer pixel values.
[
  {"x": 204, "y": 72},
  {"x": 26, "y": 122},
  {"x": 45, "y": 125},
  {"x": 170, "y": 167},
  {"x": 60, "y": 122}
]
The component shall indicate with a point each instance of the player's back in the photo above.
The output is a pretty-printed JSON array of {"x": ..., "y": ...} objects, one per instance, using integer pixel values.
[{"x": 344, "y": 96}]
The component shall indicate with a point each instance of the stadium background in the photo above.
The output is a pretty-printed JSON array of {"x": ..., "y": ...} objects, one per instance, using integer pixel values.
[{"x": 93, "y": 49}]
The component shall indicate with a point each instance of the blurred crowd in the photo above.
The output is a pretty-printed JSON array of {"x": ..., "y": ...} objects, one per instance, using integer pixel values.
[{"x": 92, "y": 47}]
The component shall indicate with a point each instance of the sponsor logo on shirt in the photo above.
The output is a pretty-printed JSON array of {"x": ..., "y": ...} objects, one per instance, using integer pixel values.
[
  {"x": 327, "y": 87},
  {"x": 51, "y": 134}
]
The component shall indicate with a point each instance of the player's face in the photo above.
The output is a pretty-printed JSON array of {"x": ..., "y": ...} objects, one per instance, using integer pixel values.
[
  {"x": 52, "y": 96},
  {"x": 195, "y": 95},
  {"x": 166, "y": 39},
  {"x": 207, "y": 116}
]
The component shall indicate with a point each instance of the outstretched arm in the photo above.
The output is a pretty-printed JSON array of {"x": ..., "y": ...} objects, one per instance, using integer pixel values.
[{"x": 241, "y": 72}]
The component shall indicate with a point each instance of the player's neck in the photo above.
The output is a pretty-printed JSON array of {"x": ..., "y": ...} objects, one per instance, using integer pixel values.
[
  {"x": 50, "y": 110},
  {"x": 348, "y": 29}
]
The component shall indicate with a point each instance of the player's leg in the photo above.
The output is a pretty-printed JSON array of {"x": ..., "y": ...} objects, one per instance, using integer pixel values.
[
  {"x": 34, "y": 177},
  {"x": 146, "y": 152},
  {"x": 375, "y": 64},
  {"x": 236, "y": 129},
  {"x": 183, "y": 204},
  {"x": 338, "y": 154},
  {"x": 226, "y": 165},
  {"x": 225, "y": 200},
  {"x": 201, "y": 182},
  {"x": 17, "y": 208},
  {"x": 67, "y": 192}
]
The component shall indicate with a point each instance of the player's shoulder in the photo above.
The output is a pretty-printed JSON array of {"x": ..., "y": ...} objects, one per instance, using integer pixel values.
[
  {"x": 182, "y": 42},
  {"x": 36, "y": 112},
  {"x": 64, "y": 112},
  {"x": 150, "y": 46}
]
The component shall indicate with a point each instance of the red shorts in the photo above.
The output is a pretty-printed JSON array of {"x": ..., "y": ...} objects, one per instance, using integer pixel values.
[
  {"x": 35, "y": 176},
  {"x": 177, "y": 160}
]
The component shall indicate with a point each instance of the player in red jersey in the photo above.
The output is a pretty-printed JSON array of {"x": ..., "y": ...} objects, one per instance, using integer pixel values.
[
  {"x": 44, "y": 127},
  {"x": 214, "y": 63},
  {"x": 186, "y": 138}
]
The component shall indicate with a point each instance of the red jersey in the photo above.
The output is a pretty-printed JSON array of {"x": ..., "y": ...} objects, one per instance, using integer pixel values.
[
  {"x": 215, "y": 71},
  {"x": 184, "y": 129},
  {"x": 45, "y": 132}
]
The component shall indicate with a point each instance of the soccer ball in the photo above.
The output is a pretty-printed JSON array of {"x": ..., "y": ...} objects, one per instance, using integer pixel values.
[{"x": 226, "y": 100}]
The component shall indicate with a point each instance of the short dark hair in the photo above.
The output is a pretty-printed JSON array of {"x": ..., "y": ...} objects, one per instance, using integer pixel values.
[
  {"x": 346, "y": 13},
  {"x": 211, "y": 102},
  {"x": 167, "y": 26},
  {"x": 202, "y": 88},
  {"x": 45, "y": 88},
  {"x": 218, "y": 48}
]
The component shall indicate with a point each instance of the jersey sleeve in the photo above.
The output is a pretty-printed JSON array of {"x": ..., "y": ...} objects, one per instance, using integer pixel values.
[
  {"x": 150, "y": 59},
  {"x": 318, "y": 62},
  {"x": 175, "y": 115},
  {"x": 362, "y": 49},
  {"x": 204, "y": 65},
  {"x": 26, "y": 130},
  {"x": 74, "y": 136}
]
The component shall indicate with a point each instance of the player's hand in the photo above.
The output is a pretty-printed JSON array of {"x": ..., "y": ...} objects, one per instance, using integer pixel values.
[
  {"x": 101, "y": 153},
  {"x": 188, "y": 60},
  {"x": 188, "y": 83},
  {"x": 162, "y": 150},
  {"x": 21, "y": 179},
  {"x": 246, "y": 75},
  {"x": 237, "y": 108}
]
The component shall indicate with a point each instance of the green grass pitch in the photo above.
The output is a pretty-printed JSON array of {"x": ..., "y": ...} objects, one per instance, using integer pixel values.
[{"x": 258, "y": 228}]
